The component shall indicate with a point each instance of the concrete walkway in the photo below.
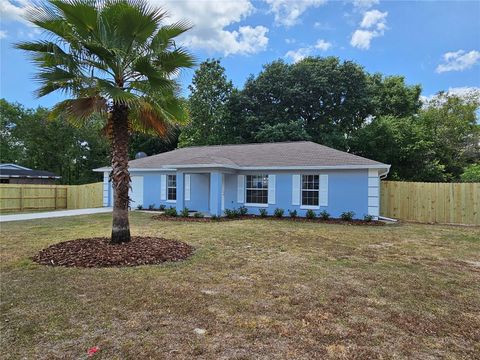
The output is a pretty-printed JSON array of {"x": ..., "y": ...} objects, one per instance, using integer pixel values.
[{"x": 53, "y": 214}]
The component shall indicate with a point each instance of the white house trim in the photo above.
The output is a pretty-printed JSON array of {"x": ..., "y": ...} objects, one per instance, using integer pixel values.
[{"x": 373, "y": 193}]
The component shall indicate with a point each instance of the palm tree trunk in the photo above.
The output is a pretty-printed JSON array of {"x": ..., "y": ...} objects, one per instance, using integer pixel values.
[{"x": 120, "y": 174}]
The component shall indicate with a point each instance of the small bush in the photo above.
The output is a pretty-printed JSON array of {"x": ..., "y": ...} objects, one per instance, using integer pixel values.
[
  {"x": 162, "y": 207},
  {"x": 139, "y": 207},
  {"x": 263, "y": 213},
  {"x": 324, "y": 215},
  {"x": 293, "y": 213},
  {"x": 347, "y": 215},
  {"x": 310, "y": 214},
  {"x": 171, "y": 211},
  {"x": 368, "y": 218},
  {"x": 231, "y": 213},
  {"x": 215, "y": 217},
  {"x": 278, "y": 212},
  {"x": 243, "y": 210},
  {"x": 198, "y": 215},
  {"x": 151, "y": 207},
  {"x": 184, "y": 212}
]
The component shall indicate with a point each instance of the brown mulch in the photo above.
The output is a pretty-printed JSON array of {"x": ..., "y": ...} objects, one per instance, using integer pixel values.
[
  {"x": 99, "y": 252},
  {"x": 164, "y": 217}
]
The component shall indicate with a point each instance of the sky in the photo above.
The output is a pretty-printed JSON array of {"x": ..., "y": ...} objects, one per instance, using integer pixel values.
[{"x": 432, "y": 43}]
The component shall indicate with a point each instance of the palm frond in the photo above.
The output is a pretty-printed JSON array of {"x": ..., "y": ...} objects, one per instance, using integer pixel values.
[
  {"x": 77, "y": 111},
  {"x": 166, "y": 34}
]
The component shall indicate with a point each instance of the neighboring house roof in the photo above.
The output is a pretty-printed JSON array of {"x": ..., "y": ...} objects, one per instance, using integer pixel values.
[
  {"x": 13, "y": 167},
  {"x": 265, "y": 156},
  {"x": 9, "y": 172}
]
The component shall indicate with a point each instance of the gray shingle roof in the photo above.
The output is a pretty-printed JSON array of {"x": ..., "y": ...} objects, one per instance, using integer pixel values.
[{"x": 299, "y": 154}]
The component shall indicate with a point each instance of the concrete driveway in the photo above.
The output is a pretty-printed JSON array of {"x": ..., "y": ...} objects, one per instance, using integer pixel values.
[{"x": 53, "y": 214}]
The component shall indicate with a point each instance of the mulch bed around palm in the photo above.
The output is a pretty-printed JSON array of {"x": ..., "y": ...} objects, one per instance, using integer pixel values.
[
  {"x": 164, "y": 217},
  {"x": 99, "y": 252}
]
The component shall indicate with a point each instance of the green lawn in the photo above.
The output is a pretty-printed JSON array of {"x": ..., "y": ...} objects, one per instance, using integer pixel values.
[{"x": 261, "y": 289}]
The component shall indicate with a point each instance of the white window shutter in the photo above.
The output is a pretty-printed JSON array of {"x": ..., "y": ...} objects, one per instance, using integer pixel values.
[
  {"x": 271, "y": 189},
  {"x": 323, "y": 190},
  {"x": 163, "y": 187},
  {"x": 241, "y": 189},
  {"x": 295, "y": 189},
  {"x": 187, "y": 187}
]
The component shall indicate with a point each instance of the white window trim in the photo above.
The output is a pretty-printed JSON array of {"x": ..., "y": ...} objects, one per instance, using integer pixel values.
[
  {"x": 256, "y": 205},
  {"x": 171, "y": 187},
  {"x": 313, "y": 207},
  {"x": 310, "y": 207},
  {"x": 246, "y": 189},
  {"x": 171, "y": 201}
]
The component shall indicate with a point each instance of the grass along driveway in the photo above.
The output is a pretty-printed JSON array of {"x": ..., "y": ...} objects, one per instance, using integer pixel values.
[{"x": 261, "y": 290}]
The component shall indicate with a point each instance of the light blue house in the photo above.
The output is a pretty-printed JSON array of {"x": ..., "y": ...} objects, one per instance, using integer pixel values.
[{"x": 291, "y": 175}]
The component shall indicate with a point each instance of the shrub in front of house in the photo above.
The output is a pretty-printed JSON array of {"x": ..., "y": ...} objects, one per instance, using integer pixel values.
[
  {"x": 198, "y": 215},
  {"x": 310, "y": 214},
  {"x": 215, "y": 217},
  {"x": 139, "y": 207},
  {"x": 243, "y": 210},
  {"x": 151, "y": 207},
  {"x": 263, "y": 213},
  {"x": 162, "y": 207},
  {"x": 185, "y": 212},
  {"x": 278, "y": 212},
  {"x": 324, "y": 215},
  {"x": 347, "y": 215},
  {"x": 232, "y": 213},
  {"x": 171, "y": 211},
  {"x": 293, "y": 213},
  {"x": 368, "y": 218}
]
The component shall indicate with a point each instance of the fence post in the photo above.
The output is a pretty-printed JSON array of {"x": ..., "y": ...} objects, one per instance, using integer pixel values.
[
  {"x": 21, "y": 198},
  {"x": 55, "y": 201}
]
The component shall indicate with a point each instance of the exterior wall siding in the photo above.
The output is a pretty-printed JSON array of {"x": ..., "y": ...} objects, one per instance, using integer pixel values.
[{"x": 348, "y": 190}]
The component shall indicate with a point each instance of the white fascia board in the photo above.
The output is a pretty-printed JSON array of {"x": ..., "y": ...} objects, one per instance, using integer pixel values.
[{"x": 30, "y": 177}]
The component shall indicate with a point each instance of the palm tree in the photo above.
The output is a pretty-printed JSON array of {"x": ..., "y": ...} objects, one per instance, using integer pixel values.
[{"x": 115, "y": 58}]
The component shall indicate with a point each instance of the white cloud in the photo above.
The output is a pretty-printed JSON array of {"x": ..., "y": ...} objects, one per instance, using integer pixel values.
[
  {"x": 323, "y": 45},
  {"x": 290, "y": 40},
  {"x": 299, "y": 54},
  {"x": 288, "y": 12},
  {"x": 209, "y": 19},
  {"x": 458, "y": 61},
  {"x": 361, "y": 39},
  {"x": 365, "y": 4},
  {"x": 372, "y": 18},
  {"x": 3, "y": 34},
  {"x": 13, "y": 11},
  {"x": 373, "y": 24},
  {"x": 302, "y": 53},
  {"x": 465, "y": 92}
]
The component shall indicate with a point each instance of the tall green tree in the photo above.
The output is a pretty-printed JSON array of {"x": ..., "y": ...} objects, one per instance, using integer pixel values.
[
  {"x": 210, "y": 93},
  {"x": 117, "y": 59},
  {"x": 450, "y": 123}
]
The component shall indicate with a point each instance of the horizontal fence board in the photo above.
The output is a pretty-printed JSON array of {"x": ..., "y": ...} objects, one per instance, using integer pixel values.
[
  {"x": 19, "y": 197},
  {"x": 443, "y": 203}
]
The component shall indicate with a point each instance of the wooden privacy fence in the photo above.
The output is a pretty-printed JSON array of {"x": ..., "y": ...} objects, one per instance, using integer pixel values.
[
  {"x": 19, "y": 197},
  {"x": 444, "y": 203}
]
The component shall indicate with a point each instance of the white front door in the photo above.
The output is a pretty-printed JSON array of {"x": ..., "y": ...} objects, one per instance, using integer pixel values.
[{"x": 136, "y": 195}]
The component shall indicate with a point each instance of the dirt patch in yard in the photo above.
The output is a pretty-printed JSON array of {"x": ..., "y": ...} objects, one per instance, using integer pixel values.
[{"x": 99, "y": 252}]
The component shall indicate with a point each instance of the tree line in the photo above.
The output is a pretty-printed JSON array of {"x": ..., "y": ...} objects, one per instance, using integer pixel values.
[
  {"x": 339, "y": 104},
  {"x": 325, "y": 100}
]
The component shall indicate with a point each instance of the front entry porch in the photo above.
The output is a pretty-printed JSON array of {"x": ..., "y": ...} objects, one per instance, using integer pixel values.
[{"x": 201, "y": 191}]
